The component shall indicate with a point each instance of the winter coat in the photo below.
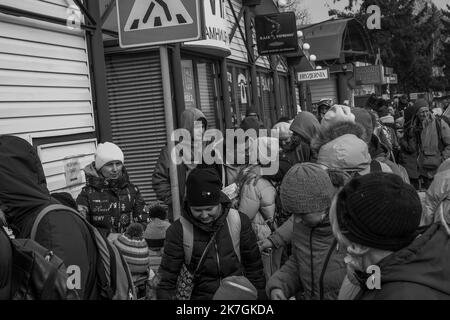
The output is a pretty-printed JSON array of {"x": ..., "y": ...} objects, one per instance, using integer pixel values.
[
  {"x": 23, "y": 190},
  {"x": 6, "y": 265},
  {"x": 437, "y": 193},
  {"x": 111, "y": 205},
  {"x": 221, "y": 260},
  {"x": 161, "y": 174},
  {"x": 257, "y": 200},
  {"x": 307, "y": 127},
  {"x": 421, "y": 271},
  {"x": 316, "y": 264}
]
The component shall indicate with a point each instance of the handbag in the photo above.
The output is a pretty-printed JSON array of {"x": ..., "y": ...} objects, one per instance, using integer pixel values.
[{"x": 186, "y": 279}]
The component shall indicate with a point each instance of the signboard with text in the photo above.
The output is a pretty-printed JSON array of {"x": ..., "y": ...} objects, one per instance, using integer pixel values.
[
  {"x": 276, "y": 33},
  {"x": 313, "y": 75},
  {"x": 368, "y": 75}
]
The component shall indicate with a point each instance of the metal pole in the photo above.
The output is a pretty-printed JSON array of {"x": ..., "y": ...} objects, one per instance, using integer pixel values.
[
  {"x": 225, "y": 93},
  {"x": 165, "y": 71}
]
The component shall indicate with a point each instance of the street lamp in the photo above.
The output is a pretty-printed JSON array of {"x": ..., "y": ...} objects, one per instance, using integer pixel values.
[
  {"x": 306, "y": 46},
  {"x": 318, "y": 68},
  {"x": 300, "y": 34},
  {"x": 312, "y": 58}
]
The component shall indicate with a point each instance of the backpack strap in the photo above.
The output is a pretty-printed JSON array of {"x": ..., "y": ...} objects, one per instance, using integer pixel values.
[
  {"x": 188, "y": 239},
  {"x": 234, "y": 225},
  {"x": 375, "y": 166},
  {"x": 441, "y": 146},
  {"x": 46, "y": 210}
]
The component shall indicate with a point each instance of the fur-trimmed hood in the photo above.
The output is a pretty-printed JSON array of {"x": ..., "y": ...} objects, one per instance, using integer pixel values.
[{"x": 336, "y": 130}]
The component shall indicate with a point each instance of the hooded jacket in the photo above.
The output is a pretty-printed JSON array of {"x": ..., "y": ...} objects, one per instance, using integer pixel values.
[
  {"x": 23, "y": 190},
  {"x": 316, "y": 268},
  {"x": 111, "y": 206},
  {"x": 420, "y": 271},
  {"x": 221, "y": 260},
  {"x": 161, "y": 174}
]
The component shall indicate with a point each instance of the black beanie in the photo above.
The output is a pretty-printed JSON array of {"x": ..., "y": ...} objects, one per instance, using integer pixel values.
[
  {"x": 379, "y": 210},
  {"x": 203, "y": 187}
]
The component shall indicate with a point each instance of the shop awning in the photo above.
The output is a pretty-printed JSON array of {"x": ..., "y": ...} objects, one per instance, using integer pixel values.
[{"x": 331, "y": 38}]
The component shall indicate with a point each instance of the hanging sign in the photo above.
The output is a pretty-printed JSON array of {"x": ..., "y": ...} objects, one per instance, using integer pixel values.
[
  {"x": 276, "y": 33},
  {"x": 369, "y": 75},
  {"x": 313, "y": 75},
  {"x": 72, "y": 171}
]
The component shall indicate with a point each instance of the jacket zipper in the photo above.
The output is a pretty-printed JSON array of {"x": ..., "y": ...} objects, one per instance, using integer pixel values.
[
  {"x": 311, "y": 261},
  {"x": 218, "y": 262}
]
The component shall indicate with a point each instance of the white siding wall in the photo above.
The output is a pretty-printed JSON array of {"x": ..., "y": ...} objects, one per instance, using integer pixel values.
[
  {"x": 44, "y": 74},
  {"x": 238, "y": 50}
]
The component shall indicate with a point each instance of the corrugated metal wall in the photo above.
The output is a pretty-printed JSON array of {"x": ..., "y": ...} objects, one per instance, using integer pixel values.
[
  {"x": 321, "y": 89},
  {"x": 44, "y": 74},
  {"x": 137, "y": 113}
]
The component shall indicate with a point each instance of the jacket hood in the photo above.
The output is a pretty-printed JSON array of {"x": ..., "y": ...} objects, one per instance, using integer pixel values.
[
  {"x": 364, "y": 117},
  {"x": 23, "y": 187},
  {"x": 189, "y": 116},
  {"x": 336, "y": 130},
  {"x": 210, "y": 228},
  {"x": 348, "y": 153},
  {"x": 93, "y": 179},
  {"x": 306, "y": 125},
  {"x": 425, "y": 261}
]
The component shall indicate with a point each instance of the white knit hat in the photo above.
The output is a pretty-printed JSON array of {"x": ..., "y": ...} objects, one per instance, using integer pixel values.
[
  {"x": 107, "y": 152},
  {"x": 337, "y": 113}
]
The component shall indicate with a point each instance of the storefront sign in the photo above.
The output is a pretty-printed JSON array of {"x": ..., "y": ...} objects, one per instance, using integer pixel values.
[
  {"x": 276, "y": 33},
  {"x": 156, "y": 22},
  {"x": 215, "y": 28},
  {"x": 313, "y": 75},
  {"x": 393, "y": 78},
  {"x": 72, "y": 171},
  {"x": 368, "y": 75},
  {"x": 188, "y": 83}
]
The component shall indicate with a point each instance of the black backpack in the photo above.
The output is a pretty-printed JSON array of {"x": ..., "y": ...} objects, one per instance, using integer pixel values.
[{"x": 37, "y": 273}]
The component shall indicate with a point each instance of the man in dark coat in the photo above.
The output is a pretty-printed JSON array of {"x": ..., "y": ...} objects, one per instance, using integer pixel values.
[
  {"x": 24, "y": 194},
  {"x": 207, "y": 209}
]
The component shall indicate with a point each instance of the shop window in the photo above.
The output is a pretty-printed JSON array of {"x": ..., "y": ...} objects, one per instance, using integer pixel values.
[{"x": 188, "y": 84}]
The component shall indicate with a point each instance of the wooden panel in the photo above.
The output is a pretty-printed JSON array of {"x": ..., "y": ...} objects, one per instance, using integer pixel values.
[
  {"x": 14, "y": 93},
  {"x": 50, "y": 123},
  {"x": 42, "y": 50},
  {"x": 25, "y": 78},
  {"x": 38, "y": 7},
  {"x": 57, "y": 152},
  {"x": 47, "y": 108},
  {"x": 22, "y": 32},
  {"x": 237, "y": 45},
  {"x": 14, "y": 62}
]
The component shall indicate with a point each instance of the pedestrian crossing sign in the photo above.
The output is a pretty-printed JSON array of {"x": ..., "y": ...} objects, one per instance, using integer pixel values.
[{"x": 157, "y": 22}]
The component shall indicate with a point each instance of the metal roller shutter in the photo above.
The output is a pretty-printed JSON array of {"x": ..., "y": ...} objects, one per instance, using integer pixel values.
[
  {"x": 207, "y": 93},
  {"x": 321, "y": 89},
  {"x": 136, "y": 104}
]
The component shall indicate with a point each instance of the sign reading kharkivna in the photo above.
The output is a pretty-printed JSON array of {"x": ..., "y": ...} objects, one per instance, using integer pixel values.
[
  {"x": 156, "y": 22},
  {"x": 313, "y": 75},
  {"x": 276, "y": 33}
]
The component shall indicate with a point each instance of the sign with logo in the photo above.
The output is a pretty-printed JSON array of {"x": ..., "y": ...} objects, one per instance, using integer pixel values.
[
  {"x": 72, "y": 171},
  {"x": 276, "y": 33},
  {"x": 156, "y": 22},
  {"x": 313, "y": 75},
  {"x": 215, "y": 27},
  {"x": 368, "y": 75}
]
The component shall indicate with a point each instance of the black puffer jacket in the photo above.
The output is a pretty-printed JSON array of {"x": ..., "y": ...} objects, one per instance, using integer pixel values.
[
  {"x": 23, "y": 190},
  {"x": 221, "y": 260},
  {"x": 111, "y": 206}
]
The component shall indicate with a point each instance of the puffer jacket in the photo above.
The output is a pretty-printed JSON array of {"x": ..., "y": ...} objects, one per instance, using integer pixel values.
[
  {"x": 257, "y": 200},
  {"x": 437, "y": 193},
  {"x": 316, "y": 265},
  {"x": 221, "y": 260},
  {"x": 161, "y": 174},
  {"x": 421, "y": 271},
  {"x": 111, "y": 206}
]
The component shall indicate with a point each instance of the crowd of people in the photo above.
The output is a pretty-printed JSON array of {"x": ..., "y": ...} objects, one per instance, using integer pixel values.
[{"x": 355, "y": 188}]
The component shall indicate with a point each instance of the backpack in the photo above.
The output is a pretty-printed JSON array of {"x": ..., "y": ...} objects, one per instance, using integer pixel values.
[
  {"x": 234, "y": 225},
  {"x": 114, "y": 280},
  {"x": 38, "y": 274}
]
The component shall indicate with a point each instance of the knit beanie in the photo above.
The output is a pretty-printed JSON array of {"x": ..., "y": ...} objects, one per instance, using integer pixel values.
[
  {"x": 347, "y": 153},
  {"x": 337, "y": 113},
  {"x": 236, "y": 288},
  {"x": 107, "y": 152},
  {"x": 250, "y": 123},
  {"x": 203, "y": 187},
  {"x": 155, "y": 233},
  {"x": 379, "y": 210},
  {"x": 283, "y": 129},
  {"x": 306, "y": 188},
  {"x": 363, "y": 117},
  {"x": 420, "y": 103},
  {"x": 134, "y": 249}
]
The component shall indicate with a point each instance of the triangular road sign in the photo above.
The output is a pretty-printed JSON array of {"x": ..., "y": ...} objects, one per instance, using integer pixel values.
[{"x": 152, "y": 14}]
